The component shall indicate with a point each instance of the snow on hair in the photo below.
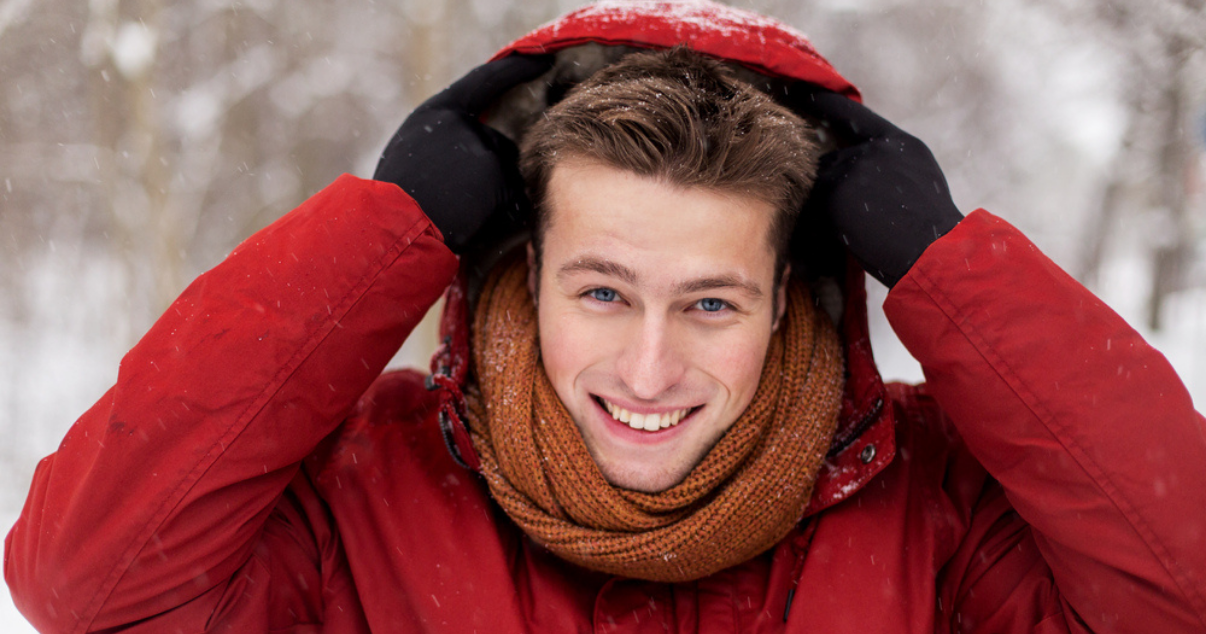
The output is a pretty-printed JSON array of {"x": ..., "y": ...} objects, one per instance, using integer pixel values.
[{"x": 679, "y": 116}]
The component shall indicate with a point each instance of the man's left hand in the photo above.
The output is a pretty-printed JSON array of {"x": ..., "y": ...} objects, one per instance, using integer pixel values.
[{"x": 883, "y": 191}]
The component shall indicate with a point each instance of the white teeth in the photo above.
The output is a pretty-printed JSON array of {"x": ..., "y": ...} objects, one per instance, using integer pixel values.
[{"x": 646, "y": 422}]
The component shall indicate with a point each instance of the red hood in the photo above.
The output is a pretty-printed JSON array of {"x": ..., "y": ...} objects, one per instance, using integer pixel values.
[
  {"x": 759, "y": 43},
  {"x": 764, "y": 46}
]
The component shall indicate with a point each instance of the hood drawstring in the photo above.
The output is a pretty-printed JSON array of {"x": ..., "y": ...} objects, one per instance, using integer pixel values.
[
  {"x": 801, "y": 542},
  {"x": 449, "y": 373}
]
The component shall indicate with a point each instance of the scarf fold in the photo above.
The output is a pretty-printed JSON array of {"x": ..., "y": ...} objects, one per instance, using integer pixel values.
[{"x": 743, "y": 497}]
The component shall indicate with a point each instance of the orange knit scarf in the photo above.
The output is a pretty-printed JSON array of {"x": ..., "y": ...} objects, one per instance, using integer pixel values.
[{"x": 743, "y": 497}]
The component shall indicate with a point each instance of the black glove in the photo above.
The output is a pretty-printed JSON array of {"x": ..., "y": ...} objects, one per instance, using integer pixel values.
[
  {"x": 458, "y": 169},
  {"x": 883, "y": 192}
]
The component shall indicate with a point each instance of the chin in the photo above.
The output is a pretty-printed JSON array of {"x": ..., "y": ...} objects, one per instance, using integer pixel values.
[{"x": 642, "y": 478}]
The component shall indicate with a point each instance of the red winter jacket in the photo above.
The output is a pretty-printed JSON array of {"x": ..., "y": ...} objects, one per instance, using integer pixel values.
[{"x": 252, "y": 471}]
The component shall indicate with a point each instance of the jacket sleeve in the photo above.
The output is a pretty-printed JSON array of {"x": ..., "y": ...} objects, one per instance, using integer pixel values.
[
  {"x": 1093, "y": 438},
  {"x": 160, "y": 492}
]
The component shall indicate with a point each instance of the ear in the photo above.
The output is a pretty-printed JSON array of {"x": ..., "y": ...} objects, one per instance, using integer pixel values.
[
  {"x": 781, "y": 297},
  {"x": 533, "y": 274}
]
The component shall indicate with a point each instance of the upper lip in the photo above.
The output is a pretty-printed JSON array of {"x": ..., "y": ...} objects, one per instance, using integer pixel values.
[{"x": 644, "y": 409}]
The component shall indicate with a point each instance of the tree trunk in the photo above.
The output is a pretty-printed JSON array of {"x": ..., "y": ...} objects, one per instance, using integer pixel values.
[
  {"x": 1113, "y": 195},
  {"x": 1172, "y": 255}
]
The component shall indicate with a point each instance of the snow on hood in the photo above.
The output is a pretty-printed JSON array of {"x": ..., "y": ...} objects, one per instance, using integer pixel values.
[
  {"x": 766, "y": 53},
  {"x": 757, "y": 42}
]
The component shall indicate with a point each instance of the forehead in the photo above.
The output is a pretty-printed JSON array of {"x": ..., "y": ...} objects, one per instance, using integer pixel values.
[{"x": 603, "y": 212}]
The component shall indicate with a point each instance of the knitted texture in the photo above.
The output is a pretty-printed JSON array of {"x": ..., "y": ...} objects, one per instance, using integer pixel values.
[{"x": 743, "y": 497}]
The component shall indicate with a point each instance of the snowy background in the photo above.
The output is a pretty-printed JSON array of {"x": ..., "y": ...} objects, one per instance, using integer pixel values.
[{"x": 141, "y": 140}]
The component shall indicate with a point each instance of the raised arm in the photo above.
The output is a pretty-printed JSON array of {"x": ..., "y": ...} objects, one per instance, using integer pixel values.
[
  {"x": 159, "y": 492},
  {"x": 166, "y": 498},
  {"x": 1089, "y": 431}
]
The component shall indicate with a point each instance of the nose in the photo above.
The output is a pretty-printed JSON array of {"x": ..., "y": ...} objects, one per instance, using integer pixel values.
[{"x": 652, "y": 362}]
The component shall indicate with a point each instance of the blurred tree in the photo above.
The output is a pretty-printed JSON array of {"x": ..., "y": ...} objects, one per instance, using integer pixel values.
[{"x": 1158, "y": 157}]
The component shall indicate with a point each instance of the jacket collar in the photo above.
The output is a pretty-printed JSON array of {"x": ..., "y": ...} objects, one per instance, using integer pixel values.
[{"x": 865, "y": 441}]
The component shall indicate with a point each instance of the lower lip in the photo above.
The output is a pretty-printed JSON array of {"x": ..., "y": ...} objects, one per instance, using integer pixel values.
[{"x": 623, "y": 431}]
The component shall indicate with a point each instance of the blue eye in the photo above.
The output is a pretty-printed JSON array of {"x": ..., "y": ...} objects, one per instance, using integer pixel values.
[
  {"x": 712, "y": 305},
  {"x": 603, "y": 295}
]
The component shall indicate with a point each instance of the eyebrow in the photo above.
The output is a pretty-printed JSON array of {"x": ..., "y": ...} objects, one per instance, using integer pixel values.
[
  {"x": 613, "y": 269},
  {"x": 723, "y": 281},
  {"x": 598, "y": 265}
]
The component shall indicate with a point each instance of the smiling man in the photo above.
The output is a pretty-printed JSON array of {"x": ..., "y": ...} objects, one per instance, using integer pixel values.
[
  {"x": 659, "y": 260},
  {"x": 682, "y": 378}
]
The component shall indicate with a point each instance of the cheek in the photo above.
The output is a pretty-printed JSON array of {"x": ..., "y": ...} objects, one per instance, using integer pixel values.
[
  {"x": 567, "y": 346},
  {"x": 554, "y": 354},
  {"x": 737, "y": 364}
]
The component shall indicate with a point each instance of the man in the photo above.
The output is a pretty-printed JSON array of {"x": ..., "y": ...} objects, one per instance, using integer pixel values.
[
  {"x": 251, "y": 472},
  {"x": 669, "y": 362}
]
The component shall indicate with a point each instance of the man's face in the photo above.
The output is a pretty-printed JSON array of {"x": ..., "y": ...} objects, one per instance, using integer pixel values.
[{"x": 656, "y": 305}]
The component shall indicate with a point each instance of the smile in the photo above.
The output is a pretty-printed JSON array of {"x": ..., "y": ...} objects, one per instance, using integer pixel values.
[{"x": 646, "y": 422}]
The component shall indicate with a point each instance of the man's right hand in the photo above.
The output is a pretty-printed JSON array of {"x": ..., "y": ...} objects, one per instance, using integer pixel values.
[{"x": 458, "y": 169}]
